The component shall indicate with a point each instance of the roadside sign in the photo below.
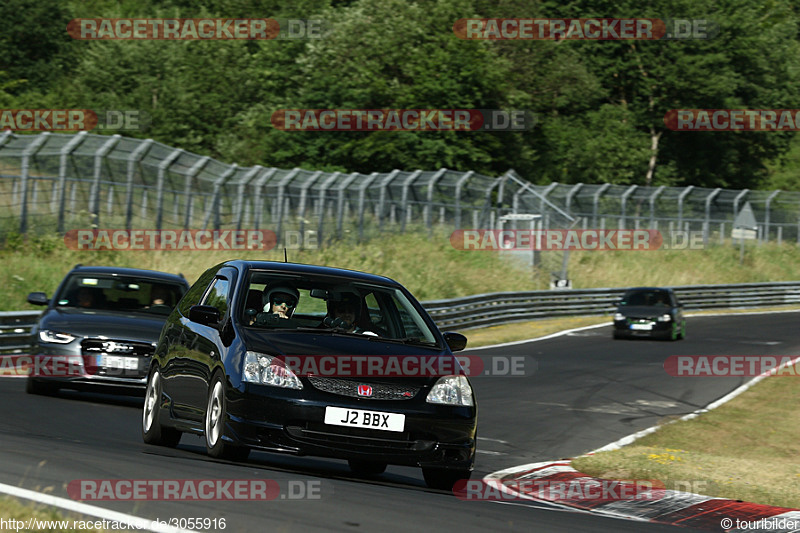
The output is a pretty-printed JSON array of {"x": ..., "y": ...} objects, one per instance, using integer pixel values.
[{"x": 745, "y": 226}]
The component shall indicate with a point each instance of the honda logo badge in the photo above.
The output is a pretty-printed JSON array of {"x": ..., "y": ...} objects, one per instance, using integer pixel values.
[{"x": 364, "y": 390}]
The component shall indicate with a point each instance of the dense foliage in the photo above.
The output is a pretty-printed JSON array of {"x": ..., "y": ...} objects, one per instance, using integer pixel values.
[{"x": 600, "y": 104}]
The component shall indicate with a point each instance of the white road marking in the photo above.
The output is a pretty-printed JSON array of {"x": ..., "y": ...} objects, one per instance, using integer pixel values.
[{"x": 136, "y": 522}]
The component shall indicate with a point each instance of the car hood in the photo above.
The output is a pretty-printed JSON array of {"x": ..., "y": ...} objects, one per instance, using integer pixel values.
[
  {"x": 95, "y": 323},
  {"x": 643, "y": 311},
  {"x": 291, "y": 343}
]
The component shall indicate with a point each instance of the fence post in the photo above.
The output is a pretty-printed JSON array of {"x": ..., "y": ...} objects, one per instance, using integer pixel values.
[
  {"x": 322, "y": 201},
  {"x": 162, "y": 174},
  {"x": 652, "y": 201},
  {"x": 596, "y": 201},
  {"x": 404, "y": 198},
  {"x": 259, "y": 203},
  {"x": 459, "y": 186},
  {"x": 625, "y": 197},
  {"x": 382, "y": 199},
  {"x": 429, "y": 205},
  {"x": 281, "y": 202},
  {"x": 362, "y": 191},
  {"x": 63, "y": 156},
  {"x": 94, "y": 196},
  {"x": 187, "y": 189},
  {"x": 340, "y": 208},
  {"x": 240, "y": 190},
  {"x": 766, "y": 217},
  {"x": 681, "y": 197},
  {"x": 29, "y": 151},
  {"x": 213, "y": 205}
]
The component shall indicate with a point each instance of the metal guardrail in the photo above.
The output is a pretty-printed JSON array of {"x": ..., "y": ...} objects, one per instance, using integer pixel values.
[{"x": 508, "y": 307}]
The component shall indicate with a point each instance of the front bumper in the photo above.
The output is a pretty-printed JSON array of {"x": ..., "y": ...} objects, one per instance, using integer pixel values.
[{"x": 291, "y": 421}]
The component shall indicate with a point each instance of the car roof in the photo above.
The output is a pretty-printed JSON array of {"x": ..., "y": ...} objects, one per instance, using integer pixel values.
[
  {"x": 122, "y": 271},
  {"x": 300, "y": 268},
  {"x": 637, "y": 289}
]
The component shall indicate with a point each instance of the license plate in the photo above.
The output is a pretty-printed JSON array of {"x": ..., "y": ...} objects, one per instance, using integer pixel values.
[
  {"x": 356, "y": 418},
  {"x": 115, "y": 361},
  {"x": 642, "y": 327}
]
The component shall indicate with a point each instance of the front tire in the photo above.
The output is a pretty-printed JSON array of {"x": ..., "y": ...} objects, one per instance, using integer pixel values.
[
  {"x": 216, "y": 415},
  {"x": 152, "y": 430},
  {"x": 443, "y": 479}
]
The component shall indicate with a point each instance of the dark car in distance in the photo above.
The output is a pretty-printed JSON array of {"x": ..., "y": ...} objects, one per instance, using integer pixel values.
[
  {"x": 221, "y": 370},
  {"x": 100, "y": 328},
  {"x": 649, "y": 312}
]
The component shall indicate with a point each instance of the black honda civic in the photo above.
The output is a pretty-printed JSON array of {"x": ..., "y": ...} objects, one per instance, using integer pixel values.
[{"x": 312, "y": 360}]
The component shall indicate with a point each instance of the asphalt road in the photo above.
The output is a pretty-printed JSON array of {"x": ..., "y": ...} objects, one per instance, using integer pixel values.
[{"x": 587, "y": 391}]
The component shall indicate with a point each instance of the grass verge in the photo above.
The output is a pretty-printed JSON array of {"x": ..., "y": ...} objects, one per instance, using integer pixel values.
[
  {"x": 744, "y": 450},
  {"x": 13, "y": 509}
]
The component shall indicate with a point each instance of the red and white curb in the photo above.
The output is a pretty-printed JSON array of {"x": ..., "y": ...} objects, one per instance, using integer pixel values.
[{"x": 670, "y": 507}]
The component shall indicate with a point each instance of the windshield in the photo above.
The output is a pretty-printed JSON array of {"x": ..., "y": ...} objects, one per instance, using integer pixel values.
[
  {"x": 280, "y": 301},
  {"x": 647, "y": 298},
  {"x": 119, "y": 293}
]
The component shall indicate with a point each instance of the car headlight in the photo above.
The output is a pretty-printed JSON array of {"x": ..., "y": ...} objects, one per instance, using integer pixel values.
[
  {"x": 451, "y": 390},
  {"x": 262, "y": 368},
  {"x": 619, "y": 316},
  {"x": 665, "y": 318},
  {"x": 46, "y": 335}
]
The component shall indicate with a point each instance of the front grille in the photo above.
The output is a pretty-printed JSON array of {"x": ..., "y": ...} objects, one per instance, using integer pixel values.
[
  {"x": 380, "y": 391},
  {"x": 117, "y": 347}
]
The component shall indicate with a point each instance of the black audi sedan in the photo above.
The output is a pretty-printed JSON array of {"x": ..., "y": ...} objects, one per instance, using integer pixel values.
[
  {"x": 311, "y": 360},
  {"x": 649, "y": 312},
  {"x": 100, "y": 328}
]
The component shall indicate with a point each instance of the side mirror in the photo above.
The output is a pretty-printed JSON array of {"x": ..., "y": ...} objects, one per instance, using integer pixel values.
[
  {"x": 456, "y": 341},
  {"x": 38, "y": 298},
  {"x": 204, "y": 314}
]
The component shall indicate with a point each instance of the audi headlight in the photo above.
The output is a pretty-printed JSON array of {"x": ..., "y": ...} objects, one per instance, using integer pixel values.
[
  {"x": 665, "y": 318},
  {"x": 619, "y": 316},
  {"x": 46, "y": 335},
  {"x": 264, "y": 369},
  {"x": 451, "y": 390}
]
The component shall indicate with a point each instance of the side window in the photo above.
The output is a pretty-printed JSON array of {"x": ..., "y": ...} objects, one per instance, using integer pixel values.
[
  {"x": 374, "y": 309},
  {"x": 217, "y": 295},
  {"x": 193, "y": 295},
  {"x": 410, "y": 328}
]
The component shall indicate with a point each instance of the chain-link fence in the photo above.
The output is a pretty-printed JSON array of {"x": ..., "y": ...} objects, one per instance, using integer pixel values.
[{"x": 58, "y": 182}]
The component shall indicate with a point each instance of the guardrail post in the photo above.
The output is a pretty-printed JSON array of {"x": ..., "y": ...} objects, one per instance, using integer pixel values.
[{"x": 29, "y": 151}]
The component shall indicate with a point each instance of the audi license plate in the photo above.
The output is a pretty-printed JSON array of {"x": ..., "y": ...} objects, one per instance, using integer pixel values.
[
  {"x": 116, "y": 361},
  {"x": 356, "y": 418}
]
